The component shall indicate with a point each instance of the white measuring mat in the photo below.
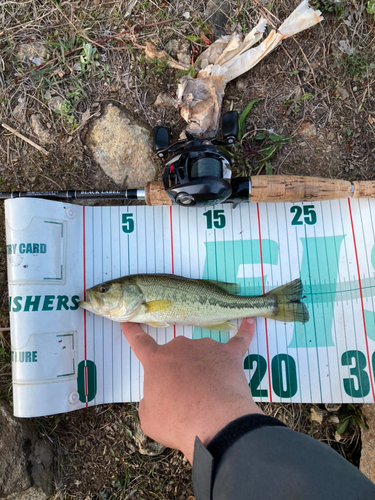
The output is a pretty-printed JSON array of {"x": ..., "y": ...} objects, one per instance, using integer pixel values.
[{"x": 65, "y": 358}]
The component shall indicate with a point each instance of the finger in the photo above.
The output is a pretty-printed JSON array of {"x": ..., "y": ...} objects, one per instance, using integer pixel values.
[
  {"x": 241, "y": 341},
  {"x": 141, "y": 343}
]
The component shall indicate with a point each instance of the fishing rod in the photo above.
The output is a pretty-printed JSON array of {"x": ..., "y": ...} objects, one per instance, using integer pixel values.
[
  {"x": 259, "y": 189},
  {"x": 199, "y": 174}
]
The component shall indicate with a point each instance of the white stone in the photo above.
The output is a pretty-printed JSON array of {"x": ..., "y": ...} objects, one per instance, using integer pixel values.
[{"x": 112, "y": 137}]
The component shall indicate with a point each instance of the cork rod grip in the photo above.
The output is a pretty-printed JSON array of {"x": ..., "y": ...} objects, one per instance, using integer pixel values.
[
  {"x": 363, "y": 189},
  {"x": 155, "y": 194},
  {"x": 290, "y": 188}
]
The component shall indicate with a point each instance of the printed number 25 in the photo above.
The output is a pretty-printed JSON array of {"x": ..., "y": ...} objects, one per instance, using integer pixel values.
[
  {"x": 309, "y": 215},
  {"x": 127, "y": 223}
]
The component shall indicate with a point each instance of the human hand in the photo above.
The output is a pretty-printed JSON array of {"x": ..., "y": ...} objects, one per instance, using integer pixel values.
[{"x": 191, "y": 387}]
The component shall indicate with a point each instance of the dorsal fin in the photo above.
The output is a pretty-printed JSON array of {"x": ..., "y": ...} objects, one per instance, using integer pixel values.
[{"x": 232, "y": 288}]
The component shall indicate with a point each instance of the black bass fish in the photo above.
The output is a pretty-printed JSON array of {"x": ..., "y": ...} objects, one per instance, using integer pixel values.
[{"x": 161, "y": 300}]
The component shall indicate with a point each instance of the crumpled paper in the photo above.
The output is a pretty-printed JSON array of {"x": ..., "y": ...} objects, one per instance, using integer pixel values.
[{"x": 227, "y": 58}]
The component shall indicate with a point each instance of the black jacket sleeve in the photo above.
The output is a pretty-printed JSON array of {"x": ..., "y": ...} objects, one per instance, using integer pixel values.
[{"x": 257, "y": 457}]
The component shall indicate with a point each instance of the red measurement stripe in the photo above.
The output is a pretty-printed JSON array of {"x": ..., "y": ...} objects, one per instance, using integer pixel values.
[
  {"x": 170, "y": 218},
  {"x": 84, "y": 298},
  {"x": 264, "y": 291},
  {"x": 362, "y": 306}
]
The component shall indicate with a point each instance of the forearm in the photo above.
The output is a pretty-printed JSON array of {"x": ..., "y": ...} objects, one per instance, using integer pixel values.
[{"x": 256, "y": 457}]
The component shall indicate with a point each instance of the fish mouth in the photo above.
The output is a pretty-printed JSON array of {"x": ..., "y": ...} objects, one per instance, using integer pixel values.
[{"x": 92, "y": 304}]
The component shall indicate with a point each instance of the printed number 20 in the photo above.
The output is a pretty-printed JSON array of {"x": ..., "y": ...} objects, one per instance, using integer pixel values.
[
  {"x": 218, "y": 219},
  {"x": 308, "y": 213},
  {"x": 127, "y": 223}
]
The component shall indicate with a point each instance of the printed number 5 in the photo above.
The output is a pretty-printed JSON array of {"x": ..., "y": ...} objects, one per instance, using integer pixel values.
[
  {"x": 308, "y": 212},
  {"x": 127, "y": 223}
]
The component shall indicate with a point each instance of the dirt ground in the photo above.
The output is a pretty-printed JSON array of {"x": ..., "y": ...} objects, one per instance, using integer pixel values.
[{"x": 317, "y": 91}]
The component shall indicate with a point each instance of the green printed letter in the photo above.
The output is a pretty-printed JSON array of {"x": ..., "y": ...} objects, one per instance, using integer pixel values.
[{"x": 319, "y": 271}]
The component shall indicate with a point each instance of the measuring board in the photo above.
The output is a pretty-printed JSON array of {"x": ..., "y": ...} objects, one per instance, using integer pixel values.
[{"x": 65, "y": 358}]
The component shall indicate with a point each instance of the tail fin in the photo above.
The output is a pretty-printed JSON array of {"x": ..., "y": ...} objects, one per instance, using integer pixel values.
[{"x": 289, "y": 306}]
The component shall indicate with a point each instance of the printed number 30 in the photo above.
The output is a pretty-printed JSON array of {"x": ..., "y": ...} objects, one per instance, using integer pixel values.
[{"x": 308, "y": 212}]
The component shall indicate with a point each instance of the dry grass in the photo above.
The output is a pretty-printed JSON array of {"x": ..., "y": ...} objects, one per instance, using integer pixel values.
[{"x": 309, "y": 80}]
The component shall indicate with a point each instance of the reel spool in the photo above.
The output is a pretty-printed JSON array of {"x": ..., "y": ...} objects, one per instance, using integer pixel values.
[{"x": 199, "y": 173}]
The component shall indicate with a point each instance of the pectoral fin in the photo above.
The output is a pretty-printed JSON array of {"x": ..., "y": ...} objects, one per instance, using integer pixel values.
[
  {"x": 222, "y": 327},
  {"x": 158, "y": 324},
  {"x": 232, "y": 288},
  {"x": 158, "y": 306}
]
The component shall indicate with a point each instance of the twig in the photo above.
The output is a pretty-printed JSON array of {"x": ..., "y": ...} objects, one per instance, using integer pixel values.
[
  {"x": 95, "y": 42},
  {"x": 32, "y": 143},
  {"x": 4, "y": 329},
  {"x": 135, "y": 28},
  {"x": 294, "y": 66},
  {"x": 306, "y": 59},
  {"x": 263, "y": 11}
]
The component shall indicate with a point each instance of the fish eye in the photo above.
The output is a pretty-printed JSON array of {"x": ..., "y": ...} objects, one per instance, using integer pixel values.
[{"x": 103, "y": 289}]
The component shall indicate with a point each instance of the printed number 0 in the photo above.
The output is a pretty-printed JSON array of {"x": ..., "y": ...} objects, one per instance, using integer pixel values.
[
  {"x": 308, "y": 212},
  {"x": 218, "y": 219},
  {"x": 127, "y": 223}
]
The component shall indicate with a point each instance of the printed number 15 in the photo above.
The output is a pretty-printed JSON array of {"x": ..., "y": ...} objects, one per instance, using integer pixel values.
[
  {"x": 309, "y": 215},
  {"x": 218, "y": 219}
]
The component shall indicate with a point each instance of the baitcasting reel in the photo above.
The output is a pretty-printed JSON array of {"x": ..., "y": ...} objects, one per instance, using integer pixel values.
[{"x": 199, "y": 172}]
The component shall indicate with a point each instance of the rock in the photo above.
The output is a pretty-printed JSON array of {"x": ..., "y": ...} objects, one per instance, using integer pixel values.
[
  {"x": 44, "y": 135},
  {"x": 19, "y": 112},
  {"x": 345, "y": 47},
  {"x": 217, "y": 14},
  {"x": 55, "y": 103},
  {"x": 36, "y": 52},
  {"x": 307, "y": 130},
  {"x": 172, "y": 47},
  {"x": 240, "y": 84},
  {"x": 122, "y": 146},
  {"x": 367, "y": 462},
  {"x": 166, "y": 101},
  {"x": 25, "y": 460},
  {"x": 30, "y": 494},
  {"x": 317, "y": 415},
  {"x": 180, "y": 50},
  {"x": 343, "y": 93},
  {"x": 334, "y": 419},
  {"x": 338, "y": 437},
  {"x": 333, "y": 406},
  {"x": 145, "y": 445},
  {"x": 183, "y": 54}
]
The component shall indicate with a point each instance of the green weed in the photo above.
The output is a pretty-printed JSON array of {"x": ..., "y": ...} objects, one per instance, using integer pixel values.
[
  {"x": 371, "y": 8},
  {"x": 66, "y": 110},
  {"x": 152, "y": 66},
  {"x": 296, "y": 104},
  {"x": 336, "y": 8},
  {"x": 88, "y": 60},
  {"x": 252, "y": 154},
  {"x": 358, "y": 68},
  {"x": 352, "y": 415},
  {"x": 191, "y": 72}
]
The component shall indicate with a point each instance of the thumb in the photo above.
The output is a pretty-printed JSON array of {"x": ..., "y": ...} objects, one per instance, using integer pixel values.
[
  {"x": 241, "y": 341},
  {"x": 141, "y": 343}
]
